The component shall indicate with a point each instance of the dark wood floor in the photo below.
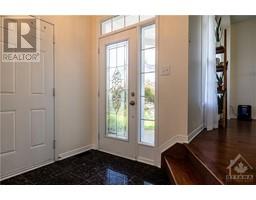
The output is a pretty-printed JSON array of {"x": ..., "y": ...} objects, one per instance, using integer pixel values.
[{"x": 216, "y": 148}]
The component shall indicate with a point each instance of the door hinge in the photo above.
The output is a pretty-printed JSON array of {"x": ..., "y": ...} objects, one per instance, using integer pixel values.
[
  {"x": 98, "y": 50},
  {"x": 53, "y": 92},
  {"x": 54, "y": 144}
]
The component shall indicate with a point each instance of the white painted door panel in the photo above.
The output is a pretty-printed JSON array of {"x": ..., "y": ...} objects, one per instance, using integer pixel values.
[{"x": 27, "y": 110}]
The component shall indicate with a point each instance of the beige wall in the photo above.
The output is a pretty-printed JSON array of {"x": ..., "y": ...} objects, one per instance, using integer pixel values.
[
  {"x": 94, "y": 77},
  {"x": 243, "y": 65},
  {"x": 77, "y": 80},
  {"x": 73, "y": 83},
  {"x": 173, "y": 89}
]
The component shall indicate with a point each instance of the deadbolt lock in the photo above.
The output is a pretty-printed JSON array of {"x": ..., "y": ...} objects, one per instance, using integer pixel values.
[{"x": 132, "y": 103}]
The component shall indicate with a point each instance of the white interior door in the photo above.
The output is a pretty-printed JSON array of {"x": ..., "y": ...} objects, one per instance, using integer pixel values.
[
  {"x": 27, "y": 110},
  {"x": 118, "y": 108}
]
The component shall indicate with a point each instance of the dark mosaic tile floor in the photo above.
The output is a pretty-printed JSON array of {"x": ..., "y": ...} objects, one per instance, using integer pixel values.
[{"x": 94, "y": 168}]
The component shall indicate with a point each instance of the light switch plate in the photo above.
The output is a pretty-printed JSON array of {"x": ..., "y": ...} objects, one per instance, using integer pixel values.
[{"x": 165, "y": 71}]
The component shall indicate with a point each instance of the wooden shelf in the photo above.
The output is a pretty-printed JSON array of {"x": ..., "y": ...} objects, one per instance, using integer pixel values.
[
  {"x": 221, "y": 91},
  {"x": 220, "y": 50},
  {"x": 222, "y": 67},
  {"x": 219, "y": 68}
]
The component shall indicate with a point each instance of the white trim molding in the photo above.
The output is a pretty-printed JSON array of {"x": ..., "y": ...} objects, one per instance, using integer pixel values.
[
  {"x": 195, "y": 132},
  {"x": 116, "y": 154},
  {"x": 76, "y": 151},
  {"x": 169, "y": 143},
  {"x": 60, "y": 157},
  {"x": 146, "y": 160},
  {"x": 175, "y": 139}
]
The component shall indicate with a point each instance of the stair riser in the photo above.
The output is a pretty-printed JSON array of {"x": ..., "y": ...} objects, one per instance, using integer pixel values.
[{"x": 181, "y": 152}]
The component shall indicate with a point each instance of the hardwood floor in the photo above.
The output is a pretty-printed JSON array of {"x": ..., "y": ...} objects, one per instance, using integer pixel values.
[
  {"x": 185, "y": 168},
  {"x": 216, "y": 148},
  {"x": 207, "y": 158}
]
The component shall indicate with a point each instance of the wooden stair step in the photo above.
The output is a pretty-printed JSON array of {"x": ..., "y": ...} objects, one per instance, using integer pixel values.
[
  {"x": 185, "y": 168},
  {"x": 183, "y": 172}
]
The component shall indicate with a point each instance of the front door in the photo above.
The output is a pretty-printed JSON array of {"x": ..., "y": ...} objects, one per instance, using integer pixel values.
[
  {"x": 27, "y": 109},
  {"x": 118, "y": 106}
]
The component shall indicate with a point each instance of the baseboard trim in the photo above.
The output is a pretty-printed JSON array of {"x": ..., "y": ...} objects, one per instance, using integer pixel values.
[
  {"x": 139, "y": 158},
  {"x": 116, "y": 154},
  {"x": 169, "y": 143},
  {"x": 26, "y": 170},
  {"x": 146, "y": 160},
  {"x": 76, "y": 151},
  {"x": 195, "y": 132},
  {"x": 94, "y": 146},
  {"x": 175, "y": 139},
  {"x": 60, "y": 157}
]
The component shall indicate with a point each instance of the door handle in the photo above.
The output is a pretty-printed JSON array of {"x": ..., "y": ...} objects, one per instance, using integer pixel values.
[{"x": 132, "y": 103}]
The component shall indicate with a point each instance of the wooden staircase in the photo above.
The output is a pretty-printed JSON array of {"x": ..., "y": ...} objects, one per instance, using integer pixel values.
[{"x": 185, "y": 168}]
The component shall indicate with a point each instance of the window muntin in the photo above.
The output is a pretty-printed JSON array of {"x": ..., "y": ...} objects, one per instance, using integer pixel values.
[{"x": 122, "y": 21}]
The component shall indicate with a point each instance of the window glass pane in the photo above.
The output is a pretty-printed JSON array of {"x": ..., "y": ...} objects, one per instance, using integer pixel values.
[
  {"x": 145, "y": 17},
  {"x": 148, "y": 37},
  {"x": 148, "y": 60},
  {"x": 118, "y": 22},
  {"x": 131, "y": 19},
  {"x": 148, "y": 132},
  {"x": 122, "y": 21},
  {"x": 147, "y": 108},
  {"x": 106, "y": 26},
  {"x": 148, "y": 85},
  {"x": 121, "y": 56},
  {"x": 117, "y": 90},
  {"x": 111, "y": 57},
  {"x": 147, "y": 100}
]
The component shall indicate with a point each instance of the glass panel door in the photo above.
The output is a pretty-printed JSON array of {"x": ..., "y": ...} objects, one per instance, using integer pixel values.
[
  {"x": 118, "y": 106},
  {"x": 127, "y": 93},
  {"x": 117, "y": 90}
]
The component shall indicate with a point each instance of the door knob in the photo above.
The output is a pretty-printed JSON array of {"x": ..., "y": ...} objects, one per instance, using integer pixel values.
[{"x": 132, "y": 103}]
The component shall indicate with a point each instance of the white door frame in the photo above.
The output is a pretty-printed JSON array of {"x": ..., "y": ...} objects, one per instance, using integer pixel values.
[{"x": 54, "y": 91}]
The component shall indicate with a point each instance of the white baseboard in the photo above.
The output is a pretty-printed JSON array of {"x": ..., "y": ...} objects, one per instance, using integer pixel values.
[
  {"x": 146, "y": 160},
  {"x": 94, "y": 146},
  {"x": 195, "y": 132},
  {"x": 60, "y": 157},
  {"x": 169, "y": 143},
  {"x": 139, "y": 159},
  {"x": 116, "y": 154},
  {"x": 175, "y": 139},
  {"x": 76, "y": 151},
  {"x": 26, "y": 170}
]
